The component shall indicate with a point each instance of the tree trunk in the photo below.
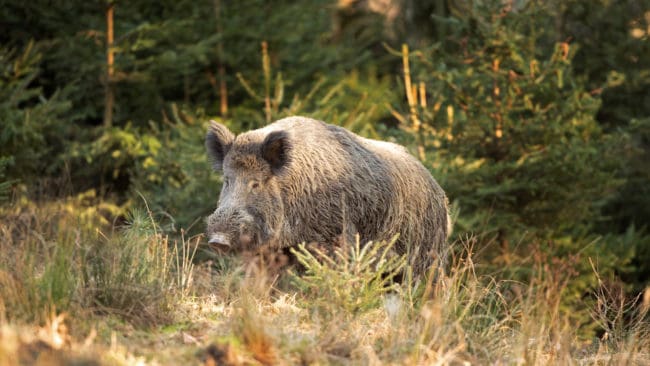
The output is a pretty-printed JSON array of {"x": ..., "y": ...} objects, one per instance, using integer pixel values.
[
  {"x": 109, "y": 101},
  {"x": 223, "y": 89}
]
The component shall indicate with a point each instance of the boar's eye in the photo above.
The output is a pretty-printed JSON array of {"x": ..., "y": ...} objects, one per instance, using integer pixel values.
[
  {"x": 253, "y": 184},
  {"x": 226, "y": 181}
]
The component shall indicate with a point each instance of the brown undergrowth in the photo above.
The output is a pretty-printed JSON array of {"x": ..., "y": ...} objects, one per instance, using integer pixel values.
[{"x": 74, "y": 289}]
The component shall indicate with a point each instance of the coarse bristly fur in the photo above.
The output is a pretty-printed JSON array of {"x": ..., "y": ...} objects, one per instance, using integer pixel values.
[{"x": 302, "y": 180}]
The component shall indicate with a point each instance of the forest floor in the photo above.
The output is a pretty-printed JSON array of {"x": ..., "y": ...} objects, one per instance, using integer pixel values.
[{"x": 77, "y": 291}]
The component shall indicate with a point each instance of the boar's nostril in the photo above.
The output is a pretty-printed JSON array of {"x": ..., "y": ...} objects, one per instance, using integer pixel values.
[{"x": 219, "y": 239}]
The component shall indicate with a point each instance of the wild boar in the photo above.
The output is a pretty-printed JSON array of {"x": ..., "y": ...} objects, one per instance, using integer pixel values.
[{"x": 302, "y": 180}]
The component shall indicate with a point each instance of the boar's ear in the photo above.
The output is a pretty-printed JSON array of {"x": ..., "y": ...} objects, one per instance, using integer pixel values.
[
  {"x": 218, "y": 141},
  {"x": 275, "y": 150}
]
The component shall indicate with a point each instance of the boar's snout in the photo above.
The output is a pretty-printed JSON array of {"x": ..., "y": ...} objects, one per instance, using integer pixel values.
[
  {"x": 231, "y": 229},
  {"x": 220, "y": 239}
]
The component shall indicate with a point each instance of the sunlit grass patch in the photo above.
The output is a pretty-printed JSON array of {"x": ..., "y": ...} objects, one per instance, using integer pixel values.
[{"x": 56, "y": 257}]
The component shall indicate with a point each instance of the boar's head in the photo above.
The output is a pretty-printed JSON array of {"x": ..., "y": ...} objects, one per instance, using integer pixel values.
[{"x": 250, "y": 209}]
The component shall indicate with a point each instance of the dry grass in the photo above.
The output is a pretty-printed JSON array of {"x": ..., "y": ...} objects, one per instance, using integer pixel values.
[{"x": 138, "y": 298}]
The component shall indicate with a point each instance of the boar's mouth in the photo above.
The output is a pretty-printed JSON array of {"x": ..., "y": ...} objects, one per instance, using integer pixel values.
[
  {"x": 223, "y": 243},
  {"x": 220, "y": 240}
]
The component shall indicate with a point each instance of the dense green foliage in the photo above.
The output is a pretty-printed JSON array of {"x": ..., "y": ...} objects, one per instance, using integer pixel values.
[
  {"x": 515, "y": 137},
  {"x": 534, "y": 116},
  {"x": 33, "y": 128}
]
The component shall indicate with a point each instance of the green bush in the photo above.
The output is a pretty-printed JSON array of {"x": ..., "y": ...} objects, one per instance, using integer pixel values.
[
  {"x": 33, "y": 129},
  {"x": 351, "y": 278},
  {"x": 513, "y": 138},
  {"x": 5, "y": 184}
]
